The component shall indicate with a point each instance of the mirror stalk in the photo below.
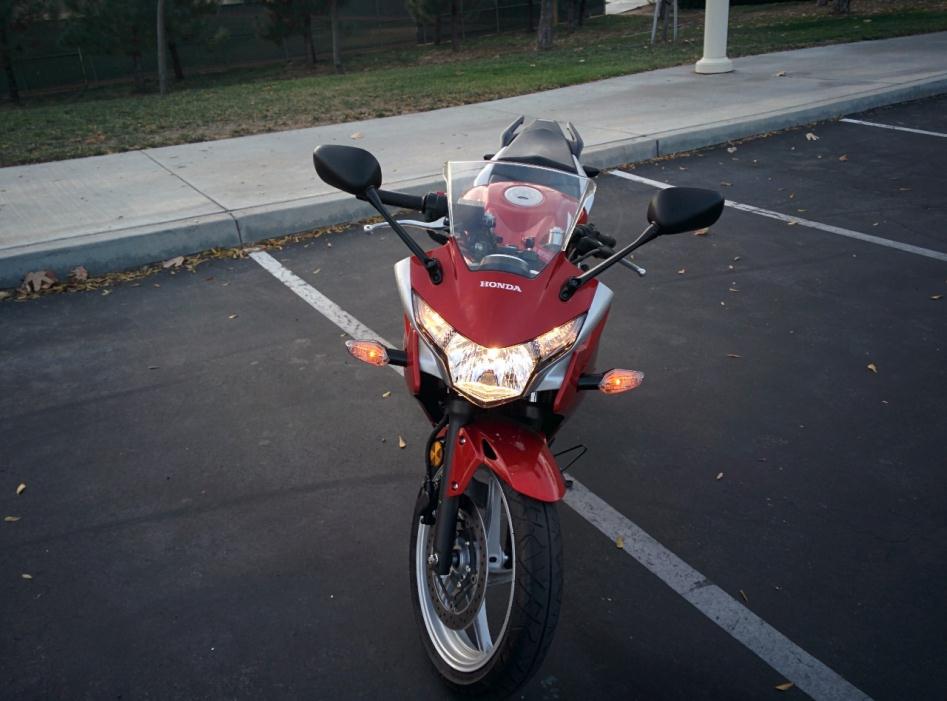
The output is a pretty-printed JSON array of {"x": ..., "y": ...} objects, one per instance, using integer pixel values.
[
  {"x": 575, "y": 282},
  {"x": 432, "y": 266}
]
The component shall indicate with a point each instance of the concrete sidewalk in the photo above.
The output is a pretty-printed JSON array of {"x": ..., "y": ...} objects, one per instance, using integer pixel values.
[{"x": 113, "y": 212}]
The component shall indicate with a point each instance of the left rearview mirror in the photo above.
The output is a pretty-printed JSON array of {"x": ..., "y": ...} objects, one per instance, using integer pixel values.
[
  {"x": 350, "y": 169},
  {"x": 679, "y": 209}
]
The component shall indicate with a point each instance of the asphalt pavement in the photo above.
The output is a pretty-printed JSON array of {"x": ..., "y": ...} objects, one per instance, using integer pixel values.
[{"x": 216, "y": 504}]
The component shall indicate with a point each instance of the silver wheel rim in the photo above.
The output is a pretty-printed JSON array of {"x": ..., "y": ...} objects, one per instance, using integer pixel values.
[{"x": 470, "y": 649}]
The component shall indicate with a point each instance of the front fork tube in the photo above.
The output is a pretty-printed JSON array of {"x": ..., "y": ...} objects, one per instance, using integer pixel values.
[{"x": 445, "y": 524}]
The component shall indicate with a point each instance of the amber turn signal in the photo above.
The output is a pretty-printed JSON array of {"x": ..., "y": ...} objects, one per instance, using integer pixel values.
[
  {"x": 618, "y": 380},
  {"x": 371, "y": 352}
]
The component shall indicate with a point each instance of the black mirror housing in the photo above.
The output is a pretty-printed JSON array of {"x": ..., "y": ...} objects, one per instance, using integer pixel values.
[
  {"x": 350, "y": 169},
  {"x": 679, "y": 209}
]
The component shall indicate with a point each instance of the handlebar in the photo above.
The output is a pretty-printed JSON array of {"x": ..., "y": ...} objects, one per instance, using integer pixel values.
[{"x": 433, "y": 204}]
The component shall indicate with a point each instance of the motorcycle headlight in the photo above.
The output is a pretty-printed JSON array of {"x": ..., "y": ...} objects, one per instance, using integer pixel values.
[{"x": 492, "y": 375}]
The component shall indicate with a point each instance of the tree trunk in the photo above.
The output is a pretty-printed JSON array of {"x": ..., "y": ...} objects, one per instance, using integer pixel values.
[
  {"x": 138, "y": 72},
  {"x": 570, "y": 15},
  {"x": 175, "y": 60},
  {"x": 841, "y": 7},
  {"x": 437, "y": 30},
  {"x": 334, "y": 21},
  {"x": 419, "y": 32},
  {"x": 529, "y": 17},
  {"x": 162, "y": 44},
  {"x": 544, "y": 33},
  {"x": 12, "y": 87},
  {"x": 822, "y": 3},
  {"x": 455, "y": 25},
  {"x": 307, "y": 39},
  {"x": 583, "y": 11}
]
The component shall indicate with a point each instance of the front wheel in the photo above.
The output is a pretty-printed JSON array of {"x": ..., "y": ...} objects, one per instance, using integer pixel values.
[{"x": 487, "y": 624}]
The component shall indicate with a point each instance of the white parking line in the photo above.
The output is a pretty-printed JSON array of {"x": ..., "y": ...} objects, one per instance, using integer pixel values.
[
  {"x": 787, "y": 658},
  {"x": 893, "y": 127},
  {"x": 839, "y": 231}
]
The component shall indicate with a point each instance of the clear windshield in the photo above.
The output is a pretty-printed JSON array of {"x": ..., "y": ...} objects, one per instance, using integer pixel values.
[{"x": 513, "y": 218}]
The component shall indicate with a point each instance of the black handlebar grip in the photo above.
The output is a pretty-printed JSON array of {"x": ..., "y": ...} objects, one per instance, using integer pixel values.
[
  {"x": 607, "y": 240},
  {"x": 398, "y": 199}
]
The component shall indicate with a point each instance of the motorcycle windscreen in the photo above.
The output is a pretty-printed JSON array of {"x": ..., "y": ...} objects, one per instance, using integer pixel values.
[{"x": 511, "y": 217}]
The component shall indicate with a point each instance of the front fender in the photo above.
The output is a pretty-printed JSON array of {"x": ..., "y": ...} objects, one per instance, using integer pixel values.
[{"x": 518, "y": 456}]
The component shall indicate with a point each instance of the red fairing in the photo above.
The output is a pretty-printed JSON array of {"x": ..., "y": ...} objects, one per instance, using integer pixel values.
[
  {"x": 583, "y": 358},
  {"x": 493, "y": 316},
  {"x": 523, "y": 459},
  {"x": 412, "y": 371}
]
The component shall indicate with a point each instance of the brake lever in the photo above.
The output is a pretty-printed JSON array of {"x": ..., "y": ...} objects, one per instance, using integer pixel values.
[
  {"x": 631, "y": 266},
  {"x": 607, "y": 252},
  {"x": 436, "y": 225}
]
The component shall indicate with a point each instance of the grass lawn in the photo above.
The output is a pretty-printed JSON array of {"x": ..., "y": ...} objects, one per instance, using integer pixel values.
[{"x": 278, "y": 97}]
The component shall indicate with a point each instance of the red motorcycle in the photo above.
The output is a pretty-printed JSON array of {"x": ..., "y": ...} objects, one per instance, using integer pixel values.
[{"x": 501, "y": 326}]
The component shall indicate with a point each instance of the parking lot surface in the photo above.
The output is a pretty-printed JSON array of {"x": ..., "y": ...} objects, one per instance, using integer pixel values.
[{"x": 216, "y": 504}]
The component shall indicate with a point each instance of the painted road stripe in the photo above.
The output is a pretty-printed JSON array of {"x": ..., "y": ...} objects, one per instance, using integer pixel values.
[
  {"x": 895, "y": 128},
  {"x": 867, "y": 238},
  {"x": 767, "y": 643}
]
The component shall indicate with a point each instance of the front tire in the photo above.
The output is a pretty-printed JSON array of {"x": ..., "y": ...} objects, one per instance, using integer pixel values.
[{"x": 487, "y": 625}]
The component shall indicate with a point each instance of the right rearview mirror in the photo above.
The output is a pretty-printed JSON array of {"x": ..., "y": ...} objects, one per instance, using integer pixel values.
[
  {"x": 350, "y": 169},
  {"x": 679, "y": 209}
]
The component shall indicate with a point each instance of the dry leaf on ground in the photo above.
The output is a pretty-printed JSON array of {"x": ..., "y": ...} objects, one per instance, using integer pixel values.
[
  {"x": 732, "y": 149},
  {"x": 38, "y": 280},
  {"x": 357, "y": 135},
  {"x": 785, "y": 686},
  {"x": 843, "y": 157},
  {"x": 5, "y": 294},
  {"x": 702, "y": 232},
  {"x": 936, "y": 297},
  {"x": 719, "y": 475},
  {"x": 386, "y": 395},
  {"x": 733, "y": 355},
  {"x": 401, "y": 443},
  {"x": 872, "y": 367},
  {"x": 781, "y": 74},
  {"x": 811, "y": 137},
  {"x": 20, "y": 488},
  {"x": 619, "y": 542},
  {"x": 175, "y": 262},
  {"x": 11, "y": 519},
  {"x": 682, "y": 271},
  {"x": 232, "y": 316},
  {"x": 744, "y": 596},
  {"x": 26, "y": 576},
  {"x": 79, "y": 274}
]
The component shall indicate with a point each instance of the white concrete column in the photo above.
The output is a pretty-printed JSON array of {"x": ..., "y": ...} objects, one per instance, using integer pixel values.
[{"x": 715, "y": 58}]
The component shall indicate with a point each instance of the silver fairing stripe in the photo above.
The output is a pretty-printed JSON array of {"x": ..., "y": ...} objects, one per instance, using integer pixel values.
[{"x": 549, "y": 378}]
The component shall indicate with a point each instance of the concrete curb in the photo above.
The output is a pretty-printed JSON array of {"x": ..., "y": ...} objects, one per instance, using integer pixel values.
[{"x": 119, "y": 250}]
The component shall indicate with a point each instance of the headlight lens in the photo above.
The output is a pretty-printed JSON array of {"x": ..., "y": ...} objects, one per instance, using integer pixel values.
[{"x": 492, "y": 375}]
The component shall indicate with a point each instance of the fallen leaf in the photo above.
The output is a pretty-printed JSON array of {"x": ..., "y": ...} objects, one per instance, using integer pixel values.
[
  {"x": 20, "y": 488},
  {"x": 719, "y": 476},
  {"x": 386, "y": 395},
  {"x": 733, "y": 355},
  {"x": 736, "y": 258},
  {"x": 843, "y": 157},
  {"x": 5, "y": 294},
  {"x": 785, "y": 686},
  {"x": 732, "y": 149},
  {"x": 744, "y": 597},
  {"x": 175, "y": 262},
  {"x": 781, "y": 74},
  {"x": 792, "y": 222},
  {"x": 702, "y": 232},
  {"x": 872, "y": 367},
  {"x": 936, "y": 297},
  {"x": 682, "y": 271},
  {"x": 11, "y": 519},
  {"x": 38, "y": 280},
  {"x": 401, "y": 443},
  {"x": 79, "y": 274},
  {"x": 26, "y": 576},
  {"x": 619, "y": 542},
  {"x": 357, "y": 135},
  {"x": 316, "y": 271},
  {"x": 106, "y": 292},
  {"x": 153, "y": 367},
  {"x": 725, "y": 183},
  {"x": 232, "y": 316},
  {"x": 811, "y": 137},
  {"x": 733, "y": 289}
]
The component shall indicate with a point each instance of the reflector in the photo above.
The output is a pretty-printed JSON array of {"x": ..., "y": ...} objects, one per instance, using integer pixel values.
[
  {"x": 371, "y": 352},
  {"x": 619, "y": 380}
]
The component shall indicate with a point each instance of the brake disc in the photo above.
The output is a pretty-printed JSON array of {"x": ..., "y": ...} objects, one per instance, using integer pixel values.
[{"x": 457, "y": 596}]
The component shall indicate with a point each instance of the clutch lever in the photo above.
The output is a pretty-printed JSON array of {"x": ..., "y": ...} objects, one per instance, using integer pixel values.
[
  {"x": 631, "y": 266},
  {"x": 436, "y": 225}
]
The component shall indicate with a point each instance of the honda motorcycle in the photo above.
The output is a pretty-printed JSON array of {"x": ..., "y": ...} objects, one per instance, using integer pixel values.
[{"x": 502, "y": 321}]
